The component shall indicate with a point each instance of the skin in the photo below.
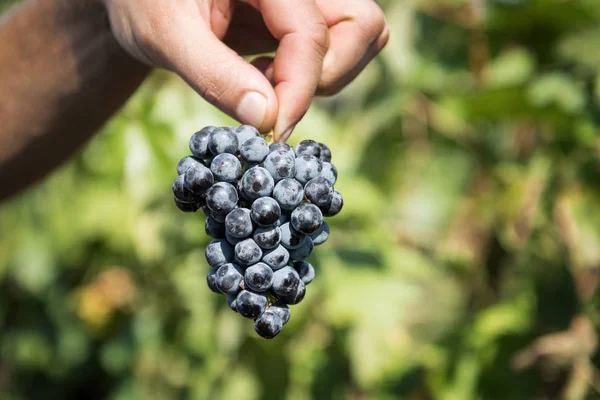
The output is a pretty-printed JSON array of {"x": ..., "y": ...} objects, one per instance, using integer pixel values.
[{"x": 69, "y": 65}]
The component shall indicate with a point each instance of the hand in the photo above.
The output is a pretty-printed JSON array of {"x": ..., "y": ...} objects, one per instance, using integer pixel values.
[{"x": 321, "y": 45}]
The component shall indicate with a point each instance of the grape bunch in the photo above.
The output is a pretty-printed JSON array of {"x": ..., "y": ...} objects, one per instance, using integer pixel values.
[{"x": 264, "y": 207}]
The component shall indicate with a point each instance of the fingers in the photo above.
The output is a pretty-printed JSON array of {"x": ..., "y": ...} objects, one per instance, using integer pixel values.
[
  {"x": 219, "y": 74},
  {"x": 303, "y": 42},
  {"x": 358, "y": 31},
  {"x": 248, "y": 21}
]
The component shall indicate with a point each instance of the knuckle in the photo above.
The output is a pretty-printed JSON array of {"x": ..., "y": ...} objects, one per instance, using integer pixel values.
[{"x": 373, "y": 22}]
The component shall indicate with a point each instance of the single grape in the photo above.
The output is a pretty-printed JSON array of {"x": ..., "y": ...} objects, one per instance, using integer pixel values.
[
  {"x": 221, "y": 198},
  {"x": 291, "y": 238},
  {"x": 231, "y": 301},
  {"x": 226, "y": 168},
  {"x": 319, "y": 191},
  {"x": 282, "y": 146},
  {"x": 308, "y": 147},
  {"x": 325, "y": 153},
  {"x": 218, "y": 252},
  {"x": 223, "y": 140},
  {"x": 183, "y": 194},
  {"x": 302, "y": 252},
  {"x": 282, "y": 310},
  {"x": 254, "y": 150},
  {"x": 244, "y": 133},
  {"x": 267, "y": 237},
  {"x": 306, "y": 218},
  {"x": 199, "y": 142},
  {"x": 250, "y": 304},
  {"x": 281, "y": 164},
  {"x": 329, "y": 172},
  {"x": 231, "y": 239},
  {"x": 258, "y": 277},
  {"x": 247, "y": 252},
  {"x": 307, "y": 167},
  {"x": 257, "y": 182},
  {"x": 219, "y": 217},
  {"x": 238, "y": 223},
  {"x": 305, "y": 270},
  {"x": 296, "y": 297},
  {"x": 211, "y": 280},
  {"x": 187, "y": 162},
  {"x": 229, "y": 277},
  {"x": 320, "y": 236},
  {"x": 198, "y": 178},
  {"x": 276, "y": 258},
  {"x": 268, "y": 324},
  {"x": 186, "y": 207},
  {"x": 288, "y": 193},
  {"x": 285, "y": 281},
  {"x": 214, "y": 228},
  {"x": 265, "y": 211},
  {"x": 336, "y": 205}
]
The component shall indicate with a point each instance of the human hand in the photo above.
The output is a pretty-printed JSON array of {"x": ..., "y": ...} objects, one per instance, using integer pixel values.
[{"x": 321, "y": 45}]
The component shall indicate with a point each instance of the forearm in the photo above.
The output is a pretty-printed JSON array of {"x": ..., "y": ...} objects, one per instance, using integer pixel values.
[{"x": 62, "y": 75}]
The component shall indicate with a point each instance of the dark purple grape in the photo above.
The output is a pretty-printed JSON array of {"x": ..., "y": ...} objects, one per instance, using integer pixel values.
[
  {"x": 211, "y": 280},
  {"x": 199, "y": 142},
  {"x": 285, "y": 281},
  {"x": 308, "y": 147},
  {"x": 187, "y": 207},
  {"x": 276, "y": 258},
  {"x": 221, "y": 198},
  {"x": 267, "y": 237},
  {"x": 329, "y": 172},
  {"x": 187, "y": 162},
  {"x": 214, "y": 228},
  {"x": 306, "y": 218},
  {"x": 288, "y": 193},
  {"x": 282, "y": 146},
  {"x": 325, "y": 153},
  {"x": 254, "y": 150},
  {"x": 182, "y": 193},
  {"x": 319, "y": 192},
  {"x": 229, "y": 277},
  {"x": 238, "y": 223},
  {"x": 302, "y": 252},
  {"x": 247, "y": 252},
  {"x": 281, "y": 165},
  {"x": 305, "y": 270},
  {"x": 244, "y": 133},
  {"x": 320, "y": 236},
  {"x": 198, "y": 178},
  {"x": 226, "y": 168},
  {"x": 265, "y": 211},
  {"x": 258, "y": 277},
  {"x": 296, "y": 297},
  {"x": 282, "y": 310},
  {"x": 250, "y": 304},
  {"x": 223, "y": 140},
  {"x": 231, "y": 239},
  {"x": 336, "y": 205},
  {"x": 268, "y": 325},
  {"x": 231, "y": 298},
  {"x": 307, "y": 167},
  {"x": 291, "y": 238},
  {"x": 257, "y": 182},
  {"x": 218, "y": 252}
]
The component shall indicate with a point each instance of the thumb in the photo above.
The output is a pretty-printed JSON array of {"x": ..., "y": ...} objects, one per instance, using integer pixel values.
[{"x": 221, "y": 76}]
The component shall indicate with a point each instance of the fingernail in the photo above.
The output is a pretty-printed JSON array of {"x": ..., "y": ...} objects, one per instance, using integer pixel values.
[{"x": 252, "y": 109}]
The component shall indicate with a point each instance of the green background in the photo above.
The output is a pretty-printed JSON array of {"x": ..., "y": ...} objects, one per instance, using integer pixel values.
[{"x": 463, "y": 266}]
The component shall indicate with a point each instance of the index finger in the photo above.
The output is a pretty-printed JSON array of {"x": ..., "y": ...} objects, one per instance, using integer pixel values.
[{"x": 303, "y": 41}]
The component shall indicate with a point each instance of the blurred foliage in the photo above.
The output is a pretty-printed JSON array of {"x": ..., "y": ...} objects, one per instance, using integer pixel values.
[{"x": 464, "y": 265}]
